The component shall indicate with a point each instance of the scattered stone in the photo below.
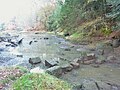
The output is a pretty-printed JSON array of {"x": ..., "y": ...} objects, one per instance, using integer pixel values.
[
  {"x": 87, "y": 62},
  {"x": 37, "y": 33},
  {"x": 35, "y": 41},
  {"x": 7, "y": 45},
  {"x": 20, "y": 41},
  {"x": 55, "y": 70},
  {"x": 30, "y": 42},
  {"x": 75, "y": 65},
  {"x": 90, "y": 56},
  {"x": 35, "y": 60},
  {"x": 67, "y": 49},
  {"x": 51, "y": 63},
  {"x": 66, "y": 68},
  {"x": 20, "y": 56},
  {"x": 78, "y": 60},
  {"x": 37, "y": 70},
  {"x": 46, "y": 38}
]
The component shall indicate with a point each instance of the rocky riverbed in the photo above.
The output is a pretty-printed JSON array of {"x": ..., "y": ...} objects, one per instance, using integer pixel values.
[{"x": 85, "y": 67}]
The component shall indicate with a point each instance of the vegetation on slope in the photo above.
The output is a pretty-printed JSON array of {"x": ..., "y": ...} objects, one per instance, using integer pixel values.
[
  {"x": 40, "y": 82},
  {"x": 85, "y": 18}
]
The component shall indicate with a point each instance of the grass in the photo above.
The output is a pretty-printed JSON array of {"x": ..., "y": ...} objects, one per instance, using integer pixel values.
[{"x": 40, "y": 82}]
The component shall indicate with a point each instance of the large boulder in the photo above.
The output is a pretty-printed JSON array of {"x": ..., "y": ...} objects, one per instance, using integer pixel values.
[
  {"x": 35, "y": 60},
  {"x": 51, "y": 63},
  {"x": 66, "y": 67},
  {"x": 55, "y": 70}
]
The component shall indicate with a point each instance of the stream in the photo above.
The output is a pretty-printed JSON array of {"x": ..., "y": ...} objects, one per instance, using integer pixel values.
[{"x": 48, "y": 46}]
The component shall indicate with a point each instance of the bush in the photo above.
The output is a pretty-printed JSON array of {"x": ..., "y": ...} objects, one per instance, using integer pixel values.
[{"x": 40, "y": 82}]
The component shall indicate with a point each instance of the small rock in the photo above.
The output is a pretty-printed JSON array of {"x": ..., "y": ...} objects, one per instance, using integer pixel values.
[
  {"x": 67, "y": 49},
  {"x": 35, "y": 60},
  {"x": 78, "y": 60},
  {"x": 90, "y": 56},
  {"x": 51, "y": 63},
  {"x": 35, "y": 41},
  {"x": 66, "y": 67},
  {"x": 20, "y": 56},
  {"x": 75, "y": 65},
  {"x": 37, "y": 33},
  {"x": 55, "y": 70},
  {"x": 30, "y": 42},
  {"x": 87, "y": 62},
  {"x": 46, "y": 38}
]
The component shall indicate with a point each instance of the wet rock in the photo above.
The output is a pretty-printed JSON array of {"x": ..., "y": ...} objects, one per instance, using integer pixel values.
[
  {"x": 46, "y": 38},
  {"x": 67, "y": 49},
  {"x": 37, "y": 33},
  {"x": 66, "y": 34},
  {"x": 75, "y": 65},
  {"x": 20, "y": 56},
  {"x": 55, "y": 70},
  {"x": 35, "y": 60},
  {"x": 7, "y": 45},
  {"x": 51, "y": 63},
  {"x": 35, "y": 41},
  {"x": 30, "y": 42},
  {"x": 66, "y": 68},
  {"x": 20, "y": 41}
]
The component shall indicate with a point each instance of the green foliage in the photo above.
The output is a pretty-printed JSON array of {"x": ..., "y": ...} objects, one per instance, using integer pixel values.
[
  {"x": 72, "y": 14},
  {"x": 105, "y": 31},
  {"x": 40, "y": 82}
]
